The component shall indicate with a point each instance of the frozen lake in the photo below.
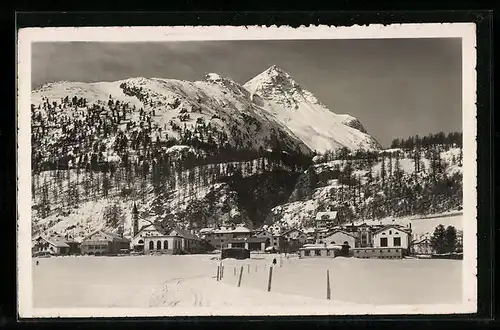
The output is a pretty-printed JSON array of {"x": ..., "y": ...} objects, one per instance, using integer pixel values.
[{"x": 155, "y": 281}]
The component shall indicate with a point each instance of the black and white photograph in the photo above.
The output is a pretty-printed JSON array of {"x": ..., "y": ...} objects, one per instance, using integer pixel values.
[{"x": 247, "y": 171}]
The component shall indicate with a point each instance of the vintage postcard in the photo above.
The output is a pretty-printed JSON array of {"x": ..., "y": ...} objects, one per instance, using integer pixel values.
[{"x": 188, "y": 171}]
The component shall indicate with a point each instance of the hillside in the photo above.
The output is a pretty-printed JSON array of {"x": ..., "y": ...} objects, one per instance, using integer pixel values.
[
  {"x": 176, "y": 148},
  {"x": 394, "y": 183}
]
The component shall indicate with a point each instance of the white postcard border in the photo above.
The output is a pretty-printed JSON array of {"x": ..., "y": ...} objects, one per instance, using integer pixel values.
[{"x": 465, "y": 31}]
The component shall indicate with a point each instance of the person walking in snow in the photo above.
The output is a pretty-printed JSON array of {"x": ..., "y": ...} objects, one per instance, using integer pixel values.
[{"x": 274, "y": 262}]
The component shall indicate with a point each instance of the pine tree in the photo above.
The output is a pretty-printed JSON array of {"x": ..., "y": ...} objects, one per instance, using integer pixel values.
[
  {"x": 450, "y": 239},
  {"x": 438, "y": 239}
]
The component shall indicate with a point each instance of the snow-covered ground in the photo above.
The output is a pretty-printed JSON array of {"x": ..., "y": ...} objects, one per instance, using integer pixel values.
[{"x": 187, "y": 281}]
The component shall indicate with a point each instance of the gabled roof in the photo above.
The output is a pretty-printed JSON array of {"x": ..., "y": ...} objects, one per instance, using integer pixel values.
[
  {"x": 166, "y": 231},
  {"x": 291, "y": 230},
  {"x": 423, "y": 240},
  {"x": 249, "y": 240},
  {"x": 114, "y": 237},
  {"x": 340, "y": 231},
  {"x": 56, "y": 241},
  {"x": 405, "y": 230},
  {"x": 331, "y": 215},
  {"x": 184, "y": 233}
]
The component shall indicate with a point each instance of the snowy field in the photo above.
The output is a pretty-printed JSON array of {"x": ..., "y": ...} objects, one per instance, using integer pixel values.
[{"x": 187, "y": 281}]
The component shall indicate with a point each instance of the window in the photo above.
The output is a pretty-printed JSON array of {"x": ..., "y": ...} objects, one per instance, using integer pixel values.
[
  {"x": 397, "y": 241},
  {"x": 383, "y": 241},
  {"x": 151, "y": 245},
  {"x": 158, "y": 245},
  {"x": 165, "y": 245},
  {"x": 390, "y": 232}
]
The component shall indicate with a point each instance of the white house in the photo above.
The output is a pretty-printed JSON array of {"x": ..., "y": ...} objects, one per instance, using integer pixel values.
[
  {"x": 172, "y": 240},
  {"x": 392, "y": 236},
  {"x": 325, "y": 220},
  {"x": 52, "y": 244},
  {"x": 339, "y": 237}
]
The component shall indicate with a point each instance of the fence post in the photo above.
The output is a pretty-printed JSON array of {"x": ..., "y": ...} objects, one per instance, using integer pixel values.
[
  {"x": 234, "y": 270},
  {"x": 221, "y": 271},
  {"x": 270, "y": 278},
  {"x": 241, "y": 274},
  {"x": 328, "y": 291},
  {"x": 248, "y": 268},
  {"x": 218, "y": 270}
]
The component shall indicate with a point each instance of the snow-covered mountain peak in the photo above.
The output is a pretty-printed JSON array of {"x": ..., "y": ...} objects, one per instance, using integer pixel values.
[{"x": 308, "y": 118}]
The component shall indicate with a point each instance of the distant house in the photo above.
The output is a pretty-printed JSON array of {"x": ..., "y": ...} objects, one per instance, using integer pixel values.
[
  {"x": 102, "y": 242},
  {"x": 220, "y": 237},
  {"x": 325, "y": 220},
  {"x": 250, "y": 243},
  {"x": 422, "y": 247},
  {"x": 55, "y": 245},
  {"x": 294, "y": 239},
  {"x": 340, "y": 237},
  {"x": 392, "y": 236},
  {"x": 154, "y": 238}
]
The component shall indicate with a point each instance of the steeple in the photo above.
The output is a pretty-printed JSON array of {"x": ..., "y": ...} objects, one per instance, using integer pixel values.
[{"x": 135, "y": 221}]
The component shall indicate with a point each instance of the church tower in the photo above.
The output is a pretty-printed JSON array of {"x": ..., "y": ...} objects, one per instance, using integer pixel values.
[{"x": 135, "y": 221}]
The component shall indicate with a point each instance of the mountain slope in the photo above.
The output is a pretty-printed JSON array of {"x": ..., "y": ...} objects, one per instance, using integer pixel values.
[
  {"x": 214, "y": 113},
  {"x": 308, "y": 118}
]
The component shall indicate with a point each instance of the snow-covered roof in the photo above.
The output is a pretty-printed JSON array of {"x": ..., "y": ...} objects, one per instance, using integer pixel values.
[
  {"x": 226, "y": 230},
  {"x": 55, "y": 241},
  {"x": 292, "y": 230},
  {"x": 330, "y": 215},
  {"x": 340, "y": 231},
  {"x": 321, "y": 246},
  {"x": 396, "y": 227}
]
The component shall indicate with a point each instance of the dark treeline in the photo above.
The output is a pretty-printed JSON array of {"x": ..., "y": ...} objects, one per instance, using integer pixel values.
[
  {"x": 373, "y": 185},
  {"x": 450, "y": 139}
]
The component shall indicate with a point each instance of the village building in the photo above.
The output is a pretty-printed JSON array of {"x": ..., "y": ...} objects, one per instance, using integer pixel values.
[
  {"x": 340, "y": 237},
  {"x": 101, "y": 242},
  {"x": 294, "y": 239},
  {"x": 422, "y": 247},
  {"x": 154, "y": 238},
  {"x": 392, "y": 236},
  {"x": 220, "y": 237},
  {"x": 323, "y": 250},
  {"x": 310, "y": 235},
  {"x": 326, "y": 220},
  {"x": 52, "y": 244},
  {"x": 250, "y": 243}
]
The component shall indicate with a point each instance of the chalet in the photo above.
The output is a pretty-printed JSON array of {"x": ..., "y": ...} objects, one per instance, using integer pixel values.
[
  {"x": 326, "y": 220},
  {"x": 250, "y": 243},
  {"x": 422, "y": 247},
  {"x": 294, "y": 239},
  {"x": 52, "y": 244},
  {"x": 340, "y": 237},
  {"x": 101, "y": 243},
  {"x": 220, "y": 237},
  {"x": 154, "y": 238},
  {"x": 392, "y": 236}
]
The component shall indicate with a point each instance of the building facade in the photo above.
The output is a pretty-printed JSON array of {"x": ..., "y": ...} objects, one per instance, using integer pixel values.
[
  {"x": 219, "y": 238},
  {"x": 154, "y": 238},
  {"x": 102, "y": 242},
  {"x": 340, "y": 237},
  {"x": 325, "y": 220},
  {"x": 55, "y": 245},
  {"x": 392, "y": 236}
]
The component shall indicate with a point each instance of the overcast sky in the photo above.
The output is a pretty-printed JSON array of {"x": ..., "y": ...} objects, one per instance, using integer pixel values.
[{"x": 395, "y": 87}]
